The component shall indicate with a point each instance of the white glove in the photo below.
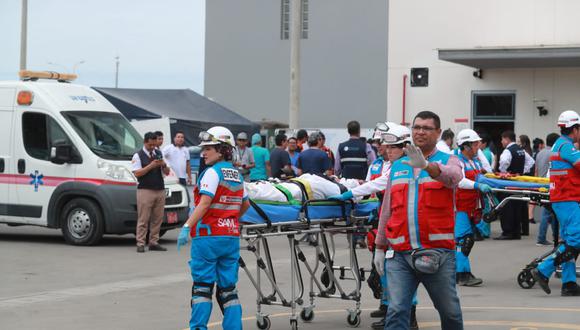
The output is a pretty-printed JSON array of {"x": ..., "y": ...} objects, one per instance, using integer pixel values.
[
  {"x": 416, "y": 158},
  {"x": 379, "y": 261}
]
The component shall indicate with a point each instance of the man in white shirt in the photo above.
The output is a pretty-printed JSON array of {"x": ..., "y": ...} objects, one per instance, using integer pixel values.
[
  {"x": 446, "y": 142},
  {"x": 177, "y": 156}
]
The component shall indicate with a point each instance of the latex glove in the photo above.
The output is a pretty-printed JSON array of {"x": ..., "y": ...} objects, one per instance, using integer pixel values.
[
  {"x": 379, "y": 261},
  {"x": 416, "y": 158},
  {"x": 484, "y": 188},
  {"x": 342, "y": 197},
  {"x": 183, "y": 237}
]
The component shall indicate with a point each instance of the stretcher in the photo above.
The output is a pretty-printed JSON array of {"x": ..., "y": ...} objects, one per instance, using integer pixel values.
[
  {"x": 534, "y": 191},
  {"x": 323, "y": 219}
]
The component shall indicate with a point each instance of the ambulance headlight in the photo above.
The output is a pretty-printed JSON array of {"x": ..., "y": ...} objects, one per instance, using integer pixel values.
[{"x": 116, "y": 172}]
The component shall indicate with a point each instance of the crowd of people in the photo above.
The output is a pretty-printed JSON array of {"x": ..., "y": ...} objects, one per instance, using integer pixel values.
[{"x": 429, "y": 217}]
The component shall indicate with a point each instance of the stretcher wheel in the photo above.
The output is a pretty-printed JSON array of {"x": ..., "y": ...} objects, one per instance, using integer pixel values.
[
  {"x": 294, "y": 324},
  {"x": 265, "y": 324},
  {"x": 525, "y": 279},
  {"x": 353, "y": 320},
  {"x": 307, "y": 315}
]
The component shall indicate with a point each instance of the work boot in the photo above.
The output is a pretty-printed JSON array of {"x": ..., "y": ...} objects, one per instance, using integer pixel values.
[
  {"x": 570, "y": 289},
  {"x": 477, "y": 236},
  {"x": 379, "y": 325},
  {"x": 542, "y": 281},
  {"x": 413, "y": 325},
  {"x": 381, "y": 312}
]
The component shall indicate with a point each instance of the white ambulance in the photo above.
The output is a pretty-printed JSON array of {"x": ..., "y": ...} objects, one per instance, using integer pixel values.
[{"x": 65, "y": 161}]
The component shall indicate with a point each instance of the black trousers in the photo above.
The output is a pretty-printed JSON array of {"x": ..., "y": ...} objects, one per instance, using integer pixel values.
[{"x": 514, "y": 219}]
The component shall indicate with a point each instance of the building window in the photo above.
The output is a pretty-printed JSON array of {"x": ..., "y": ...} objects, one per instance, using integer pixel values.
[
  {"x": 494, "y": 105},
  {"x": 285, "y": 19}
]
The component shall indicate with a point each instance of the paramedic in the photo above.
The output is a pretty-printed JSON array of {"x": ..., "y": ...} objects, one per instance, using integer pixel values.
[
  {"x": 220, "y": 201},
  {"x": 564, "y": 196},
  {"x": 416, "y": 223},
  {"x": 393, "y": 138},
  {"x": 468, "y": 204}
]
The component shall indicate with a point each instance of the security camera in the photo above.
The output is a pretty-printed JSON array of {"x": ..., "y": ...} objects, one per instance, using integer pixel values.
[
  {"x": 542, "y": 111},
  {"x": 478, "y": 74}
]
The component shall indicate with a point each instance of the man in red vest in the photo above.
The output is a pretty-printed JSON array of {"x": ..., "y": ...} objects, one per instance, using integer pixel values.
[{"x": 416, "y": 224}]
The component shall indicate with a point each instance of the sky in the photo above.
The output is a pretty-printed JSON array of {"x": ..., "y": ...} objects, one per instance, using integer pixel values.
[{"x": 160, "y": 43}]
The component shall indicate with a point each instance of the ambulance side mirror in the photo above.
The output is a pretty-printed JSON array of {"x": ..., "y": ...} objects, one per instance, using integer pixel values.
[{"x": 61, "y": 154}]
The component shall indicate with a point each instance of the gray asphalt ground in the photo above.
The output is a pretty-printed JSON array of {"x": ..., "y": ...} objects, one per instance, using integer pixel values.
[{"x": 46, "y": 284}]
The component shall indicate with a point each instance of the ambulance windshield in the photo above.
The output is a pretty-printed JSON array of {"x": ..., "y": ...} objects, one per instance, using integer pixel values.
[{"x": 109, "y": 135}]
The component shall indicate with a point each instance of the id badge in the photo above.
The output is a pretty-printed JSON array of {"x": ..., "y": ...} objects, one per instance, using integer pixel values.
[{"x": 389, "y": 254}]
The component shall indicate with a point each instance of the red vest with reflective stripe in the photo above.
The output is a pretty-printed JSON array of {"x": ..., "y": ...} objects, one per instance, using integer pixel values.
[
  {"x": 222, "y": 217},
  {"x": 564, "y": 177},
  {"x": 422, "y": 209},
  {"x": 468, "y": 200}
]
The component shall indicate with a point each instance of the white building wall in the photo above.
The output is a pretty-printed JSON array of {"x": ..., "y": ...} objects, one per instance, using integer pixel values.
[{"x": 417, "y": 28}]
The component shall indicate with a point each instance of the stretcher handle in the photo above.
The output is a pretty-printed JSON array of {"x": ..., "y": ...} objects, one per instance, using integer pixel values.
[
  {"x": 525, "y": 191},
  {"x": 342, "y": 204}
]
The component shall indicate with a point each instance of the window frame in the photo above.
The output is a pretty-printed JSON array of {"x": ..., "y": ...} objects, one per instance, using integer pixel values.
[{"x": 476, "y": 93}]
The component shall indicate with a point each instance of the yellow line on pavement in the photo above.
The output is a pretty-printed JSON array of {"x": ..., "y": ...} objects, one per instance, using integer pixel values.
[{"x": 470, "y": 323}]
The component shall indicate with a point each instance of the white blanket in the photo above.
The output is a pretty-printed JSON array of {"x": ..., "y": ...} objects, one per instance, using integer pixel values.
[{"x": 321, "y": 188}]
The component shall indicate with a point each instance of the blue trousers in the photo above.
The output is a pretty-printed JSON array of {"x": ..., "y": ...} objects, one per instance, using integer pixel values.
[
  {"x": 385, "y": 287},
  {"x": 462, "y": 229},
  {"x": 214, "y": 260},
  {"x": 484, "y": 228},
  {"x": 568, "y": 214},
  {"x": 403, "y": 283},
  {"x": 547, "y": 220}
]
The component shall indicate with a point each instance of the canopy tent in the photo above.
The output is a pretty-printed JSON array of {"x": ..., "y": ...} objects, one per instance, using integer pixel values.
[{"x": 188, "y": 111}]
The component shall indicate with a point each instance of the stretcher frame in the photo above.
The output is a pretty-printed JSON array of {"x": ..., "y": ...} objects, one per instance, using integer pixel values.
[
  {"x": 525, "y": 279},
  {"x": 256, "y": 237}
]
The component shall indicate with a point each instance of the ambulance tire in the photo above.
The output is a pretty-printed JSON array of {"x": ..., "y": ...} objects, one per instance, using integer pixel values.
[{"x": 82, "y": 222}]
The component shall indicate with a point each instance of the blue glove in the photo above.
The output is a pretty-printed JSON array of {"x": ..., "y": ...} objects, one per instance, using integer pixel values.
[
  {"x": 342, "y": 197},
  {"x": 484, "y": 188},
  {"x": 183, "y": 237}
]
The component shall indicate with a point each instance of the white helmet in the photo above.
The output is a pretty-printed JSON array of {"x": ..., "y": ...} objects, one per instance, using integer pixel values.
[
  {"x": 215, "y": 136},
  {"x": 467, "y": 135},
  {"x": 568, "y": 118},
  {"x": 397, "y": 134},
  {"x": 381, "y": 128}
]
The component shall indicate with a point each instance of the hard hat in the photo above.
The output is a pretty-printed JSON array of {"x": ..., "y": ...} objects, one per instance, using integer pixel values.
[
  {"x": 397, "y": 134},
  {"x": 568, "y": 118},
  {"x": 467, "y": 135},
  {"x": 381, "y": 128},
  {"x": 215, "y": 136}
]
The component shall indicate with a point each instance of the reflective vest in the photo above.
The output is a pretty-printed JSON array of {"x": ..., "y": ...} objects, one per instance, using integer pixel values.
[
  {"x": 222, "y": 217},
  {"x": 469, "y": 200},
  {"x": 422, "y": 209},
  {"x": 564, "y": 176},
  {"x": 353, "y": 159},
  {"x": 376, "y": 171}
]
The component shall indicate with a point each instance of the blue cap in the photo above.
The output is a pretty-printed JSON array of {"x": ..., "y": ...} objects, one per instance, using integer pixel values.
[{"x": 256, "y": 138}]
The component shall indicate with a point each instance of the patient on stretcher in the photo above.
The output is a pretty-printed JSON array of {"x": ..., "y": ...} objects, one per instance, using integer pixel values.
[{"x": 304, "y": 187}]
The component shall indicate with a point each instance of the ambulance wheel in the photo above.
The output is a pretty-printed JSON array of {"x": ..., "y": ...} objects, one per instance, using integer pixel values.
[
  {"x": 526, "y": 280},
  {"x": 265, "y": 324},
  {"x": 307, "y": 315},
  {"x": 82, "y": 222},
  {"x": 353, "y": 320}
]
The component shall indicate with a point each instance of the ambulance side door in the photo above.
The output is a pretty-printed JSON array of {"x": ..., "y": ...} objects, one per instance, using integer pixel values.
[{"x": 38, "y": 132}]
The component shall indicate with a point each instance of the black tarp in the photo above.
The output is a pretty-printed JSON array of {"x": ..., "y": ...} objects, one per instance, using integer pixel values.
[{"x": 189, "y": 112}]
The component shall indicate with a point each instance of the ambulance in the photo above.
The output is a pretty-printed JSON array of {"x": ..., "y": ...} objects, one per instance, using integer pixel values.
[{"x": 65, "y": 161}]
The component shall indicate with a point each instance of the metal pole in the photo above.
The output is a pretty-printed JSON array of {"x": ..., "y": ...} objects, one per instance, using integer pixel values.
[
  {"x": 23, "y": 33},
  {"x": 295, "y": 34},
  {"x": 117, "y": 72}
]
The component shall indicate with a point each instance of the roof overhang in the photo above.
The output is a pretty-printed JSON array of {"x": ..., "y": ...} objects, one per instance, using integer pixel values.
[{"x": 513, "y": 57}]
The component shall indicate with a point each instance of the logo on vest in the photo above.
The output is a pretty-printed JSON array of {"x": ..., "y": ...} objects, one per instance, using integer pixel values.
[
  {"x": 401, "y": 173},
  {"x": 376, "y": 167},
  {"x": 230, "y": 199},
  {"x": 228, "y": 223},
  {"x": 231, "y": 174}
]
